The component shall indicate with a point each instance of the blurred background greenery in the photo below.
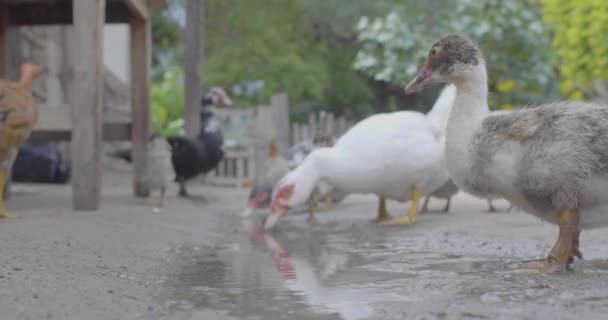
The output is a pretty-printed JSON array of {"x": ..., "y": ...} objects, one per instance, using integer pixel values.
[{"x": 352, "y": 57}]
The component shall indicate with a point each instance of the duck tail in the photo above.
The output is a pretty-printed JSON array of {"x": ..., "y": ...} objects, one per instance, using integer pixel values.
[{"x": 440, "y": 112}]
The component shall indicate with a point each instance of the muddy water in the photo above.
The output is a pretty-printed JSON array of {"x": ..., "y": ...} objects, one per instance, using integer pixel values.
[{"x": 362, "y": 271}]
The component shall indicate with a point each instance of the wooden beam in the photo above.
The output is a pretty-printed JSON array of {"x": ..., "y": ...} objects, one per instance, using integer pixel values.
[
  {"x": 139, "y": 8},
  {"x": 111, "y": 132},
  {"x": 193, "y": 57},
  {"x": 3, "y": 41},
  {"x": 140, "y": 96},
  {"x": 53, "y": 13},
  {"x": 86, "y": 100}
]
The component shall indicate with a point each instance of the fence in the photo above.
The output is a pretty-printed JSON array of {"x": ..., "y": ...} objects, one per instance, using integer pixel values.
[
  {"x": 320, "y": 127},
  {"x": 248, "y": 134}
]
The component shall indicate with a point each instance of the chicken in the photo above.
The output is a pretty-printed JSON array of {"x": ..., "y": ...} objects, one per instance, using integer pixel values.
[
  {"x": 18, "y": 115},
  {"x": 274, "y": 169},
  {"x": 193, "y": 156},
  {"x": 157, "y": 171}
]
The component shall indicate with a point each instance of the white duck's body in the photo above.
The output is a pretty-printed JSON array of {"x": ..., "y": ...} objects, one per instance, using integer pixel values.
[
  {"x": 397, "y": 156},
  {"x": 386, "y": 154}
]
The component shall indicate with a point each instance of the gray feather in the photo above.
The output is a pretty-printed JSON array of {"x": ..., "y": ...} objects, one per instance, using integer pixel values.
[{"x": 557, "y": 148}]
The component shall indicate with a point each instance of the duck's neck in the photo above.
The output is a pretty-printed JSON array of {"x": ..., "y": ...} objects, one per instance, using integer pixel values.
[
  {"x": 328, "y": 163},
  {"x": 470, "y": 108},
  {"x": 320, "y": 164}
]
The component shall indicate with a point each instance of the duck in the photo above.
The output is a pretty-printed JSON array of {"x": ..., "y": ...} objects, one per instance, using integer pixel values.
[
  {"x": 397, "y": 156},
  {"x": 193, "y": 156},
  {"x": 275, "y": 168},
  {"x": 323, "y": 196},
  {"x": 550, "y": 161},
  {"x": 445, "y": 191}
]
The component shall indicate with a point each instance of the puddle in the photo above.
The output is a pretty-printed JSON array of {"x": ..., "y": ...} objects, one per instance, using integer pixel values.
[{"x": 362, "y": 272}]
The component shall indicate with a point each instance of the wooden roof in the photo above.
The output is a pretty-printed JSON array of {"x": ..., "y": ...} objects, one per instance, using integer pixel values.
[{"x": 48, "y": 12}]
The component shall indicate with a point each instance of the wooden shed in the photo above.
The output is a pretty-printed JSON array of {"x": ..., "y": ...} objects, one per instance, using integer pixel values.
[{"x": 87, "y": 129}]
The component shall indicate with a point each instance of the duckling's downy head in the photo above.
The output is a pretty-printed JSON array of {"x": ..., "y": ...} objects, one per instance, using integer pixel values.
[{"x": 450, "y": 59}]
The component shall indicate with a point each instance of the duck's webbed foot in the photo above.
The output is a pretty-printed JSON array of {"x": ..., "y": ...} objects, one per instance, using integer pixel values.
[
  {"x": 565, "y": 249},
  {"x": 412, "y": 213},
  {"x": 182, "y": 189},
  {"x": 382, "y": 215}
]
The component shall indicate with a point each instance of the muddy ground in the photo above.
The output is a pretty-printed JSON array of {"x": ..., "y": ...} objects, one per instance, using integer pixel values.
[{"x": 197, "y": 260}]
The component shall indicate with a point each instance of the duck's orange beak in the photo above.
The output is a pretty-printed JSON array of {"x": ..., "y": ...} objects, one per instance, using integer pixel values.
[{"x": 422, "y": 80}]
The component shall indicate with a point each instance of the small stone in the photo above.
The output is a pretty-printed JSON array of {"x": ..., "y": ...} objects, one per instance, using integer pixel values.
[
  {"x": 35, "y": 296},
  {"x": 110, "y": 291}
]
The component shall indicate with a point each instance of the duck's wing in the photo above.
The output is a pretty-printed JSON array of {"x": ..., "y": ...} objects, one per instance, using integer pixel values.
[
  {"x": 380, "y": 127},
  {"x": 549, "y": 153},
  {"x": 185, "y": 155}
]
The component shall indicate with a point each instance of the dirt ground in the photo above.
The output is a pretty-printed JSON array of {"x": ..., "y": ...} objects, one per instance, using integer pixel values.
[{"x": 197, "y": 260}]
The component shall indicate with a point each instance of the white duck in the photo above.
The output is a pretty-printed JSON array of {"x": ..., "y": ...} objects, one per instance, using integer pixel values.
[
  {"x": 551, "y": 161},
  {"x": 396, "y": 155}
]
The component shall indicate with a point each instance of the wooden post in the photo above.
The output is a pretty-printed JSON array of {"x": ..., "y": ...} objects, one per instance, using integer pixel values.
[
  {"x": 193, "y": 58},
  {"x": 86, "y": 100},
  {"x": 3, "y": 40},
  {"x": 280, "y": 120},
  {"x": 263, "y": 134},
  {"x": 140, "y": 97},
  {"x": 4, "y": 54},
  {"x": 330, "y": 127}
]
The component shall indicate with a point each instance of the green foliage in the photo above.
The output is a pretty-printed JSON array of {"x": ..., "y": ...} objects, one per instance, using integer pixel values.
[
  {"x": 580, "y": 29},
  {"x": 167, "y": 113},
  {"x": 514, "y": 41},
  {"x": 269, "y": 40},
  {"x": 167, "y": 38}
]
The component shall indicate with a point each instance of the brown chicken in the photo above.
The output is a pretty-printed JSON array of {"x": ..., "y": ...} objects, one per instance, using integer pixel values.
[{"x": 18, "y": 115}]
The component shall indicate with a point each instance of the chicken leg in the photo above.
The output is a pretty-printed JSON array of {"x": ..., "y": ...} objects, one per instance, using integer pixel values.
[
  {"x": 382, "y": 213},
  {"x": 3, "y": 177},
  {"x": 161, "y": 198},
  {"x": 566, "y": 247},
  {"x": 425, "y": 205},
  {"x": 182, "y": 188},
  {"x": 447, "y": 205},
  {"x": 412, "y": 213},
  {"x": 312, "y": 208},
  {"x": 328, "y": 200},
  {"x": 491, "y": 207}
]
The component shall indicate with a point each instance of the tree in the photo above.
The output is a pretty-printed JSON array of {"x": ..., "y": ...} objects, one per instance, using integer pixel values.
[
  {"x": 509, "y": 32},
  {"x": 167, "y": 38},
  {"x": 580, "y": 29}
]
